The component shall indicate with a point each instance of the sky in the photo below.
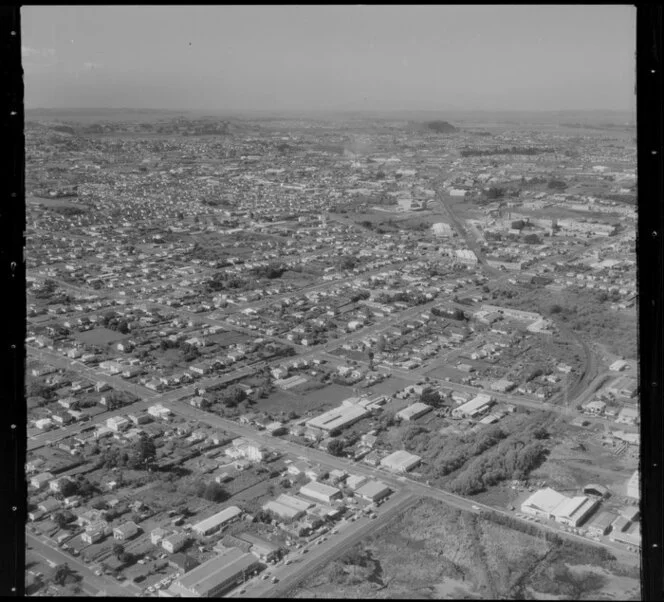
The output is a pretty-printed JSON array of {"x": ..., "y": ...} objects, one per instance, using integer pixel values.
[{"x": 330, "y": 57}]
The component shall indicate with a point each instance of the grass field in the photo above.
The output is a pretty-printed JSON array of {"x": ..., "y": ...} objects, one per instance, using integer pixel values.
[
  {"x": 436, "y": 552},
  {"x": 101, "y": 336}
]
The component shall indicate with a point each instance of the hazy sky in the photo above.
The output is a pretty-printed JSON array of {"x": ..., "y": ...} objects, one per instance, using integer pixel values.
[{"x": 330, "y": 57}]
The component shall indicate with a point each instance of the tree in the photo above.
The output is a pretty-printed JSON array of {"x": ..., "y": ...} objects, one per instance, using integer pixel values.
[
  {"x": 118, "y": 550},
  {"x": 60, "y": 520},
  {"x": 145, "y": 451},
  {"x": 61, "y": 573},
  {"x": 123, "y": 327},
  {"x": 431, "y": 397},
  {"x": 214, "y": 492},
  {"x": 69, "y": 488},
  {"x": 335, "y": 447}
]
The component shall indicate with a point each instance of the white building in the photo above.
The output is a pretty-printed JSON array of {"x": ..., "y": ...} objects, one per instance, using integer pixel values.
[
  {"x": 413, "y": 411},
  {"x": 216, "y": 521},
  {"x": 634, "y": 486},
  {"x": 400, "y": 461},
  {"x": 549, "y": 504},
  {"x": 475, "y": 407},
  {"x": 321, "y": 492},
  {"x": 338, "y": 418}
]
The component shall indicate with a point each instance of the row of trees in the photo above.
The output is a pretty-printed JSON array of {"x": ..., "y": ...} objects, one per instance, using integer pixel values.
[{"x": 141, "y": 455}]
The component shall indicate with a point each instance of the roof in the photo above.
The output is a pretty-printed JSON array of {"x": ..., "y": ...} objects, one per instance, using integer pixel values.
[
  {"x": 318, "y": 489},
  {"x": 217, "y": 519},
  {"x": 546, "y": 500},
  {"x": 294, "y": 502},
  {"x": 210, "y": 574},
  {"x": 603, "y": 520},
  {"x": 337, "y": 417},
  {"x": 414, "y": 410},
  {"x": 474, "y": 404},
  {"x": 373, "y": 488},
  {"x": 400, "y": 459},
  {"x": 281, "y": 509}
]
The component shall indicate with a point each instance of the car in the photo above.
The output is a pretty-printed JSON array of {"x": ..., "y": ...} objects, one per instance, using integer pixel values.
[
  {"x": 335, "y": 531},
  {"x": 151, "y": 588},
  {"x": 264, "y": 577},
  {"x": 275, "y": 579},
  {"x": 98, "y": 573},
  {"x": 304, "y": 551},
  {"x": 475, "y": 507},
  {"x": 243, "y": 591}
]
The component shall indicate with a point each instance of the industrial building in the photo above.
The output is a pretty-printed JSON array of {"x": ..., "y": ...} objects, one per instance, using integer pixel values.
[
  {"x": 338, "y": 418},
  {"x": 475, "y": 407},
  {"x": 354, "y": 481},
  {"x": 374, "y": 491},
  {"x": 319, "y": 491},
  {"x": 217, "y": 575},
  {"x": 413, "y": 411},
  {"x": 601, "y": 525},
  {"x": 216, "y": 521},
  {"x": 295, "y": 502},
  {"x": 631, "y": 537},
  {"x": 283, "y": 511},
  {"x": 634, "y": 486},
  {"x": 549, "y": 504},
  {"x": 400, "y": 461}
]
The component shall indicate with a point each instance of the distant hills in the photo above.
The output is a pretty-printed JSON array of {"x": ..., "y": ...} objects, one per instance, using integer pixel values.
[{"x": 441, "y": 127}]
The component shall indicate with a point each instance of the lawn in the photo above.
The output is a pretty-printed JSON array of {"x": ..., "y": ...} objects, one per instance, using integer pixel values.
[{"x": 100, "y": 336}]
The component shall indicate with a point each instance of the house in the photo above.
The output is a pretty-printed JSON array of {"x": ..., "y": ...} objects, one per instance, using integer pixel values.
[
  {"x": 126, "y": 531},
  {"x": 117, "y": 423},
  {"x": 262, "y": 549},
  {"x": 41, "y": 480},
  {"x": 174, "y": 543},
  {"x": 183, "y": 563},
  {"x": 50, "y": 505},
  {"x": 157, "y": 534}
]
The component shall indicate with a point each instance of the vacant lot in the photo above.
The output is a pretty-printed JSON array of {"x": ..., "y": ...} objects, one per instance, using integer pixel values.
[
  {"x": 434, "y": 551},
  {"x": 100, "y": 336}
]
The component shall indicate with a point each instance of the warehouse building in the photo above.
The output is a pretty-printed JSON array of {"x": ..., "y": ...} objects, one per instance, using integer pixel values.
[
  {"x": 601, "y": 525},
  {"x": 374, "y": 491},
  {"x": 338, "y": 418},
  {"x": 216, "y": 576},
  {"x": 320, "y": 492},
  {"x": 216, "y": 521},
  {"x": 473, "y": 408},
  {"x": 295, "y": 502},
  {"x": 355, "y": 481},
  {"x": 400, "y": 461},
  {"x": 283, "y": 511},
  {"x": 413, "y": 411},
  {"x": 549, "y": 504}
]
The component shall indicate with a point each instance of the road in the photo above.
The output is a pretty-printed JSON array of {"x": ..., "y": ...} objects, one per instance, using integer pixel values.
[
  {"x": 397, "y": 482},
  {"x": 303, "y": 565},
  {"x": 91, "y": 583}
]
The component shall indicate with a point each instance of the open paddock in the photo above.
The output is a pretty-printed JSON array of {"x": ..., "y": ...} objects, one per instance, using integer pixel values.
[{"x": 100, "y": 336}]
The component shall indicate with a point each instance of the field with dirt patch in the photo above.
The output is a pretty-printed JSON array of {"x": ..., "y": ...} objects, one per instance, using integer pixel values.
[{"x": 437, "y": 552}]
